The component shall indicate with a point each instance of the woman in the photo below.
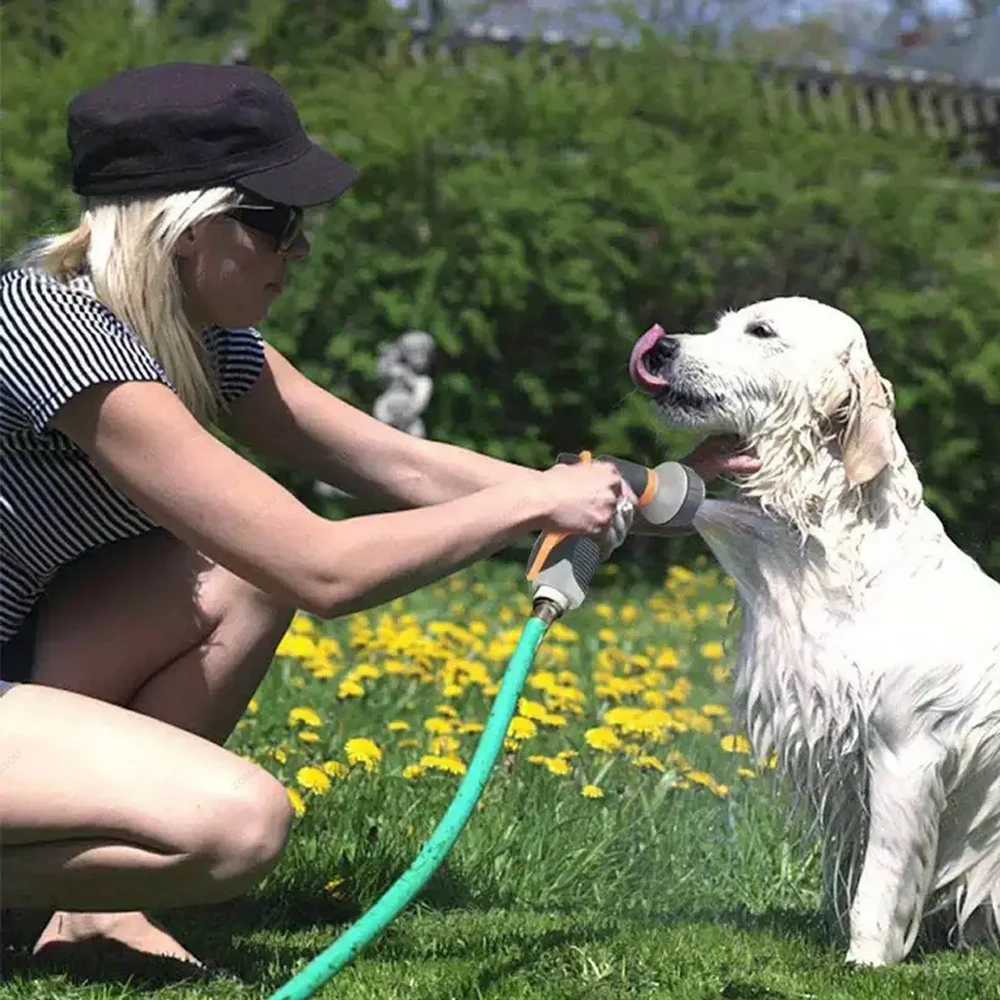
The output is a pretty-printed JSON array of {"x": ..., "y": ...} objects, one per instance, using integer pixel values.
[{"x": 149, "y": 570}]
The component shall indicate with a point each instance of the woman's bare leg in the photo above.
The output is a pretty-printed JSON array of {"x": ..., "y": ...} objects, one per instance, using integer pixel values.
[
  {"x": 153, "y": 626},
  {"x": 105, "y": 809}
]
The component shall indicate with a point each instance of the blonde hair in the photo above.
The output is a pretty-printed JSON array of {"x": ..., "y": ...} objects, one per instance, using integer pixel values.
[{"x": 127, "y": 246}]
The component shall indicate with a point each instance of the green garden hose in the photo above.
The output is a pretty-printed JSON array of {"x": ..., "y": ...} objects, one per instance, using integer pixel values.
[
  {"x": 561, "y": 568},
  {"x": 329, "y": 962}
]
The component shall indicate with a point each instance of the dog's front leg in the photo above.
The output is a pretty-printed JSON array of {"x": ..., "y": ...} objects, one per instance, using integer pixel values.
[{"x": 905, "y": 801}]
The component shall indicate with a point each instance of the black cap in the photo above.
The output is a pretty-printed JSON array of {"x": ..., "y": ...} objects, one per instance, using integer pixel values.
[{"x": 181, "y": 126}]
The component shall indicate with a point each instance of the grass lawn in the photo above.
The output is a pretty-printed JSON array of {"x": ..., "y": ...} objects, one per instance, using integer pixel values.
[{"x": 626, "y": 846}]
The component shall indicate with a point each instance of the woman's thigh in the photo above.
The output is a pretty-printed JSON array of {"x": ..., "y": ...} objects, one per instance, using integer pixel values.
[
  {"x": 112, "y": 619},
  {"x": 76, "y": 767}
]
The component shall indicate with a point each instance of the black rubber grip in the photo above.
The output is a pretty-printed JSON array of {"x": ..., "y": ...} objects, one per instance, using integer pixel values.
[
  {"x": 636, "y": 475},
  {"x": 586, "y": 559}
]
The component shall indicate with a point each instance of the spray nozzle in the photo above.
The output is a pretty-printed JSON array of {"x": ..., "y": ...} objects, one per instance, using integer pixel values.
[{"x": 561, "y": 567}]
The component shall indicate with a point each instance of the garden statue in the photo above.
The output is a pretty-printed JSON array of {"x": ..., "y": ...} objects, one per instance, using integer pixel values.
[{"x": 403, "y": 369}]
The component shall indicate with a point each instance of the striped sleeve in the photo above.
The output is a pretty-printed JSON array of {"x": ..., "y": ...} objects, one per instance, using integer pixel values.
[
  {"x": 57, "y": 341},
  {"x": 237, "y": 358}
]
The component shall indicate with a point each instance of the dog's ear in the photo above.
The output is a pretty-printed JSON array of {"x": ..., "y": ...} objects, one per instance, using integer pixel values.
[{"x": 868, "y": 437}]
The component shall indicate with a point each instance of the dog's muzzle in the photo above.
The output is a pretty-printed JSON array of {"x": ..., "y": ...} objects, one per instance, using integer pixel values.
[{"x": 651, "y": 360}]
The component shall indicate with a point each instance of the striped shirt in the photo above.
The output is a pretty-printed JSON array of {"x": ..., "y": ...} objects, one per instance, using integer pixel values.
[{"x": 57, "y": 339}]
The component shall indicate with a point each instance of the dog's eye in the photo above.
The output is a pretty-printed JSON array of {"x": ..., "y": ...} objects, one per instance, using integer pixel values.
[{"x": 758, "y": 328}]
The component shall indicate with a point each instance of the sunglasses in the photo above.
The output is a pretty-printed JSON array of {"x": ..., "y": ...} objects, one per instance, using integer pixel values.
[{"x": 283, "y": 223}]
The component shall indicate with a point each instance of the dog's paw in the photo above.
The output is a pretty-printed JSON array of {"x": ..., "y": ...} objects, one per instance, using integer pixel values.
[{"x": 868, "y": 954}]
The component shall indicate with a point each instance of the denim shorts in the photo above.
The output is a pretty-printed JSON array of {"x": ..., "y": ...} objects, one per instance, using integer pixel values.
[{"x": 17, "y": 654}]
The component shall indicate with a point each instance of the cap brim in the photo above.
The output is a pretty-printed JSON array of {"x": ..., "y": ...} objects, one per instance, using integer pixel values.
[{"x": 312, "y": 179}]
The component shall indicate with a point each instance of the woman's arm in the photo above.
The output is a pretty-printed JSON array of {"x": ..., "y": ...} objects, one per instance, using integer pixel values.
[
  {"x": 289, "y": 417},
  {"x": 148, "y": 445}
]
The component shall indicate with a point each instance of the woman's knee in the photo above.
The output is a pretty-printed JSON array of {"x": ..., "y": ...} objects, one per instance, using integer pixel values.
[
  {"x": 227, "y": 598},
  {"x": 249, "y": 829}
]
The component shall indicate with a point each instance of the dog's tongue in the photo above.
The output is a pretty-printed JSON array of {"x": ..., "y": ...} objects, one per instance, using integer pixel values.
[{"x": 637, "y": 369}]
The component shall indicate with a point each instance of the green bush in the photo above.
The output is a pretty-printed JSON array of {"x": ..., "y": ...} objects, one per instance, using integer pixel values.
[{"x": 537, "y": 214}]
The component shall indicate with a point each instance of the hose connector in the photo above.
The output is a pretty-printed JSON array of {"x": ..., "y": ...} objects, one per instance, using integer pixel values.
[{"x": 549, "y": 604}]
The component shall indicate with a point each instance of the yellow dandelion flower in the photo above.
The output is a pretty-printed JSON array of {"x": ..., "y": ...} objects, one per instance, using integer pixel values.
[
  {"x": 521, "y": 728},
  {"x": 560, "y": 632},
  {"x": 555, "y": 765},
  {"x": 735, "y": 744},
  {"x": 655, "y": 699},
  {"x": 313, "y": 778},
  {"x": 436, "y": 724},
  {"x": 471, "y": 727},
  {"x": 449, "y": 764},
  {"x": 701, "y": 778},
  {"x": 714, "y": 711},
  {"x": 328, "y": 646},
  {"x": 680, "y": 574},
  {"x": 302, "y": 624},
  {"x": 397, "y": 726},
  {"x": 551, "y": 719},
  {"x": 298, "y": 647},
  {"x": 252, "y": 706},
  {"x": 350, "y": 689},
  {"x": 592, "y": 792},
  {"x": 447, "y": 710},
  {"x": 648, "y": 763},
  {"x": 605, "y": 611},
  {"x": 667, "y": 659},
  {"x": 602, "y": 738},
  {"x": 309, "y": 736},
  {"x": 412, "y": 771},
  {"x": 361, "y": 750},
  {"x": 746, "y": 772},
  {"x": 279, "y": 755},
  {"x": 559, "y": 766},
  {"x": 629, "y": 614},
  {"x": 307, "y": 715},
  {"x": 335, "y": 768},
  {"x": 531, "y": 709},
  {"x": 721, "y": 790},
  {"x": 607, "y": 635},
  {"x": 296, "y": 800},
  {"x": 623, "y": 717},
  {"x": 443, "y": 745},
  {"x": 712, "y": 650}
]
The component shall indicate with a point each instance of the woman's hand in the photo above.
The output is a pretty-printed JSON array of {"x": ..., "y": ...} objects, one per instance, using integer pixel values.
[{"x": 588, "y": 499}]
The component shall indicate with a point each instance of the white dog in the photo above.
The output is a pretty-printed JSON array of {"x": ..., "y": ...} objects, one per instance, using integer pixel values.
[{"x": 869, "y": 657}]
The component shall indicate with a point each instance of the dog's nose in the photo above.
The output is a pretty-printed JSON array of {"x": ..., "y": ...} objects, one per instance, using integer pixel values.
[
  {"x": 661, "y": 354},
  {"x": 651, "y": 360}
]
